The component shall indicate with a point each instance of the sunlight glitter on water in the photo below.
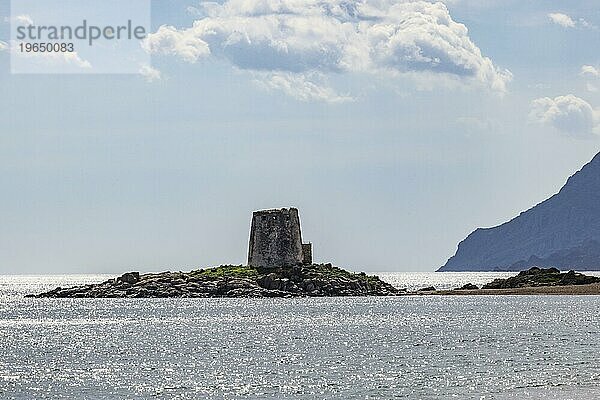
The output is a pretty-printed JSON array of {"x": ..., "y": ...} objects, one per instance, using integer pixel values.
[{"x": 466, "y": 347}]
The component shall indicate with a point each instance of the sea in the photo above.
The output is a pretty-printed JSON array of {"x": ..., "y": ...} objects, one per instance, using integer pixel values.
[{"x": 414, "y": 347}]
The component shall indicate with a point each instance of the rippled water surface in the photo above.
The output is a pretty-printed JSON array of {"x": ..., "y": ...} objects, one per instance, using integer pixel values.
[{"x": 488, "y": 347}]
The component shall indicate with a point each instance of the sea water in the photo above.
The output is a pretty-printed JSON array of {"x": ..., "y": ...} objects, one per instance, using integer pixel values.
[{"x": 432, "y": 347}]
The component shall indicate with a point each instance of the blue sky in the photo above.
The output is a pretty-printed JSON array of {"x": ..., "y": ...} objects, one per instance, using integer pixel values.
[{"x": 392, "y": 156}]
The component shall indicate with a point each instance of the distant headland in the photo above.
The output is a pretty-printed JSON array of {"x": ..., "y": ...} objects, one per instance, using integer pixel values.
[{"x": 561, "y": 232}]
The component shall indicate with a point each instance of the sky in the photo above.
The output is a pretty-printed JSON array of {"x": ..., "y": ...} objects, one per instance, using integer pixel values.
[{"x": 396, "y": 128}]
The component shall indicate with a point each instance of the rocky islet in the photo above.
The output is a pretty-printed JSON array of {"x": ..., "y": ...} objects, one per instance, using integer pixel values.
[{"x": 316, "y": 280}]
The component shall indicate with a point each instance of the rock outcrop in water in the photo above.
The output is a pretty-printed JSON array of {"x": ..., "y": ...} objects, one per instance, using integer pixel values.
[
  {"x": 563, "y": 232},
  {"x": 317, "y": 280},
  {"x": 535, "y": 277},
  {"x": 534, "y": 281}
]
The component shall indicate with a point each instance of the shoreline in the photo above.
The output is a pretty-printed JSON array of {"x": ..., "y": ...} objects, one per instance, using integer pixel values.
[
  {"x": 315, "y": 280},
  {"x": 592, "y": 289}
]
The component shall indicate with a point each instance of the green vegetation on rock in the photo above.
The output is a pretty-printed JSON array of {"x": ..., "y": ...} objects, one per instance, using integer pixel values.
[{"x": 229, "y": 271}]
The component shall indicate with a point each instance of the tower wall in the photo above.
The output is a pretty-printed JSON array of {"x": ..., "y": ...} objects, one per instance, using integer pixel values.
[
  {"x": 275, "y": 239},
  {"x": 307, "y": 253}
]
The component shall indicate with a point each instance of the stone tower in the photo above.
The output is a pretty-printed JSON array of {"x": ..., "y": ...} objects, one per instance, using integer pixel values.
[{"x": 276, "y": 239}]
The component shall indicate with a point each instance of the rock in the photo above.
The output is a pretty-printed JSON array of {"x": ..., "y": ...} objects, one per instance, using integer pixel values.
[
  {"x": 468, "y": 286},
  {"x": 269, "y": 281},
  {"x": 574, "y": 278},
  {"x": 129, "y": 277},
  {"x": 308, "y": 285},
  {"x": 535, "y": 277},
  {"x": 538, "y": 271},
  {"x": 427, "y": 289},
  {"x": 237, "y": 281},
  {"x": 245, "y": 292}
]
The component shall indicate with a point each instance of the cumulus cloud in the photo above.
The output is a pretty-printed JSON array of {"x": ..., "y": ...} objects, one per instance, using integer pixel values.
[
  {"x": 591, "y": 74},
  {"x": 72, "y": 59},
  {"x": 68, "y": 59},
  {"x": 568, "y": 114},
  {"x": 562, "y": 19},
  {"x": 590, "y": 71},
  {"x": 169, "y": 40},
  {"x": 567, "y": 22},
  {"x": 291, "y": 41},
  {"x": 24, "y": 20},
  {"x": 149, "y": 73},
  {"x": 56, "y": 59},
  {"x": 300, "y": 86}
]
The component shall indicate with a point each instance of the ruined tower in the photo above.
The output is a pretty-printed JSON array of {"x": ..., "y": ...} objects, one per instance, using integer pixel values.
[{"x": 276, "y": 239}]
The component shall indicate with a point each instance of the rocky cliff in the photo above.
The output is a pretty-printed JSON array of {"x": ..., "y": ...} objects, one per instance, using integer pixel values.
[{"x": 563, "y": 231}]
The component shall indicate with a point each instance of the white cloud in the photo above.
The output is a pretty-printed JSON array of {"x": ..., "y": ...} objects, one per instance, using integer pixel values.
[
  {"x": 149, "y": 73},
  {"x": 291, "y": 41},
  {"x": 74, "y": 59},
  {"x": 24, "y": 20},
  {"x": 300, "y": 86},
  {"x": 168, "y": 40},
  {"x": 588, "y": 70},
  {"x": 567, "y": 22},
  {"x": 540, "y": 86},
  {"x": 562, "y": 19},
  {"x": 69, "y": 59},
  {"x": 568, "y": 114},
  {"x": 591, "y": 73}
]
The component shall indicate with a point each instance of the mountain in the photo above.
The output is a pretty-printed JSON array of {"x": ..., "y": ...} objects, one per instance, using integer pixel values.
[{"x": 562, "y": 231}]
